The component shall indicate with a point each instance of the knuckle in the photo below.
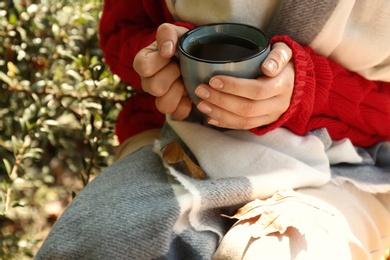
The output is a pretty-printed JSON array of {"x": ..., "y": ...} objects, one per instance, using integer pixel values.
[
  {"x": 164, "y": 107},
  {"x": 164, "y": 26},
  {"x": 142, "y": 66},
  {"x": 258, "y": 91},
  {"x": 158, "y": 91},
  {"x": 246, "y": 109},
  {"x": 162, "y": 29},
  {"x": 243, "y": 124},
  {"x": 234, "y": 85},
  {"x": 280, "y": 56},
  {"x": 219, "y": 100},
  {"x": 153, "y": 87},
  {"x": 145, "y": 85},
  {"x": 219, "y": 115},
  {"x": 160, "y": 83},
  {"x": 165, "y": 31},
  {"x": 283, "y": 49}
]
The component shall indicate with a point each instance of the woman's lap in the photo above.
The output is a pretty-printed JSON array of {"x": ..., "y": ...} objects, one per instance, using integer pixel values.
[
  {"x": 130, "y": 211},
  {"x": 112, "y": 216},
  {"x": 334, "y": 221}
]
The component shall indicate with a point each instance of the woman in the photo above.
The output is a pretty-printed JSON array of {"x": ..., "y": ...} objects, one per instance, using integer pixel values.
[{"x": 318, "y": 123}]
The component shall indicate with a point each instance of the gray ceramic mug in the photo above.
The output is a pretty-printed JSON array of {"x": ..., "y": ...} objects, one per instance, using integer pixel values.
[{"x": 221, "y": 49}]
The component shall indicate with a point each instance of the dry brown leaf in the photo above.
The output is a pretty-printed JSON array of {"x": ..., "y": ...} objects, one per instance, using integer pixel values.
[
  {"x": 175, "y": 156},
  {"x": 284, "y": 209}
]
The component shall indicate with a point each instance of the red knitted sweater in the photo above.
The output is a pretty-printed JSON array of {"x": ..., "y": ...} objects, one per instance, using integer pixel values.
[{"x": 325, "y": 94}]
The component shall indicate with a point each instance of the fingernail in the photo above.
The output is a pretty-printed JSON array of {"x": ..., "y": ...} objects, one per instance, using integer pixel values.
[
  {"x": 271, "y": 66},
  {"x": 202, "y": 92},
  {"x": 203, "y": 107},
  {"x": 216, "y": 83},
  {"x": 213, "y": 122},
  {"x": 166, "y": 48}
]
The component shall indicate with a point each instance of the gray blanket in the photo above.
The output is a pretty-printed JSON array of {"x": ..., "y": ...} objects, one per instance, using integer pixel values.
[{"x": 140, "y": 209}]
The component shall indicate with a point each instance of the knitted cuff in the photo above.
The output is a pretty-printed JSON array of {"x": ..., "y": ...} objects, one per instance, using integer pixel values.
[{"x": 302, "y": 100}]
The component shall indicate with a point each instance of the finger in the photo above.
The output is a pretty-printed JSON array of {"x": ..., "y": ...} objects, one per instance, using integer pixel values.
[
  {"x": 167, "y": 37},
  {"x": 242, "y": 106},
  {"x": 235, "y": 104},
  {"x": 148, "y": 61},
  {"x": 183, "y": 109},
  {"x": 277, "y": 59},
  {"x": 255, "y": 89},
  {"x": 268, "y": 112},
  {"x": 226, "y": 119},
  {"x": 231, "y": 103},
  {"x": 169, "y": 102},
  {"x": 158, "y": 84}
]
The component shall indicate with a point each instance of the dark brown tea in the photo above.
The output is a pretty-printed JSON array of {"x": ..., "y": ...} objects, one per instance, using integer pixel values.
[{"x": 223, "y": 48}]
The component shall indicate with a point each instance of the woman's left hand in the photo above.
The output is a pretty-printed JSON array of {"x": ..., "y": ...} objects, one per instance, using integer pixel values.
[{"x": 239, "y": 103}]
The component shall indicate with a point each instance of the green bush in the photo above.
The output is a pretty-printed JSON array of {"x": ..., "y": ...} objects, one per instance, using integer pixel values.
[{"x": 58, "y": 105}]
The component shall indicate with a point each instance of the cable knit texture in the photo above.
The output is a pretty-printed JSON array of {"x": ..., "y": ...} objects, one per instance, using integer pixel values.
[
  {"x": 140, "y": 209},
  {"x": 325, "y": 94},
  {"x": 139, "y": 114}
]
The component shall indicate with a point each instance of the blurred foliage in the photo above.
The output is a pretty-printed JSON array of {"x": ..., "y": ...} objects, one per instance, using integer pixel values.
[{"x": 58, "y": 105}]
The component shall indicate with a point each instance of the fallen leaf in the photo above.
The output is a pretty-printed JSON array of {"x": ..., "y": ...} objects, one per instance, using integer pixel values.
[
  {"x": 284, "y": 209},
  {"x": 175, "y": 156}
]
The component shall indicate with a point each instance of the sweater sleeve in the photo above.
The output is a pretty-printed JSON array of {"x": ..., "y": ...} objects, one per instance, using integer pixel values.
[
  {"x": 127, "y": 26},
  {"x": 327, "y": 95}
]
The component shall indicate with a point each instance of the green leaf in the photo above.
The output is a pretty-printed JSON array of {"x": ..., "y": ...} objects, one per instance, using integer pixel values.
[
  {"x": 74, "y": 74},
  {"x": 5, "y": 183},
  {"x": 4, "y": 77},
  {"x": 36, "y": 99},
  {"x": 39, "y": 85},
  {"x": 32, "y": 155},
  {"x": 22, "y": 32},
  {"x": 15, "y": 144},
  {"x": 13, "y": 19},
  {"x": 28, "y": 155},
  {"x": 51, "y": 122},
  {"x": 8, "y": 166},
  {"x": 22, "y": 124},
  {"x": 36, "y": 150}
]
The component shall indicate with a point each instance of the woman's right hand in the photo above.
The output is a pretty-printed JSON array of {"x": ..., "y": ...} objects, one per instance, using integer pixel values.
[{"x": 160, "y": 74}]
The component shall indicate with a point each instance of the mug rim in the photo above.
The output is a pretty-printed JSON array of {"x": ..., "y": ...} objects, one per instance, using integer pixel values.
[{"x": 194, "y": 30}]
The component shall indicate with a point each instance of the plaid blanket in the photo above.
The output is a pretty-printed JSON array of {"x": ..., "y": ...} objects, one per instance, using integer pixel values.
[{"x": 141, "y": 208}]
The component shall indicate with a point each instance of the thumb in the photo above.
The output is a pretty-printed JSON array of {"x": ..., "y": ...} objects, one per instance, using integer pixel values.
[
  {"x": 167, "y": 37},
  {"x": 277, "y": 59}
]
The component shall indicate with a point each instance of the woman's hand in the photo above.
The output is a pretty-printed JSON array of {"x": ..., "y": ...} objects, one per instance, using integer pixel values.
[
  {"x": 229, "y": 102},
  {"x": 161, "y": 76},
  {"x": 238, "y": 103}
]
